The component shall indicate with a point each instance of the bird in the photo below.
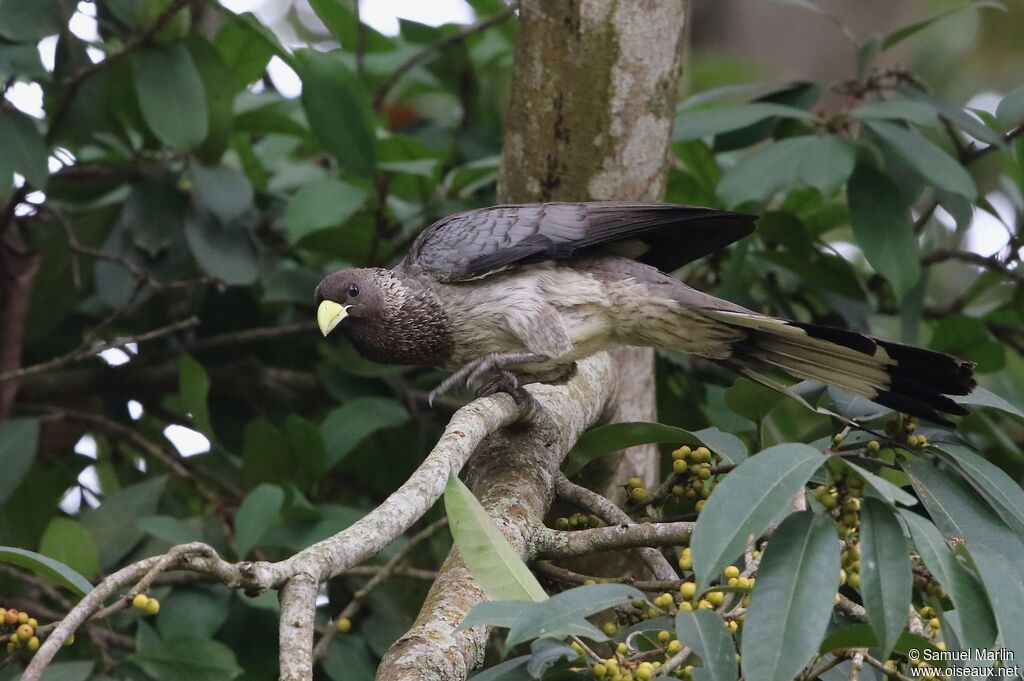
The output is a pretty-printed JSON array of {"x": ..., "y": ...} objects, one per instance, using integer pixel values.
[{"x": 518, "y": 293}]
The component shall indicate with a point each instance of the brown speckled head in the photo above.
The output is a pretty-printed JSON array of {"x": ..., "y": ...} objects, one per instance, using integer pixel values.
[{"x": 387, "y": 321}]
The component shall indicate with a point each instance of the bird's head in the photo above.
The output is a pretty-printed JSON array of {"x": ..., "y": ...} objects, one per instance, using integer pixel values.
[{"x": 359, "y": 293}]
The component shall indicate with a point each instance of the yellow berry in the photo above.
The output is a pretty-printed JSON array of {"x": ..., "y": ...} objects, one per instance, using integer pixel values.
[
  {"x": 33, "y": 622},
  {"x": 704, "y": 472},
  {"x": 11, "y": 617},
  {"x": 934, "y": 623},
  {"x": 22, "y": 618},
  {"x": 686, "y": 606},
  {"x": 678, "y": 490},
  {"x": 664, "y": 636},
  {"x": 842, "y": 576},
  {"x": 621, "y": 649},
  {"x": 599, "y": 670},
  {"x": 685, "y": 562},
  {"x": 589, "y": 582},
  {"x": 562, "y": 524},
  {"x": 343, "y": 625},
  {"x": 610, "y": 628},
  {"x": 639, "y": 494},
  {"x": 853, "y": 579},
  {"x": 687, "y": 589},
  {"x": 25, "y": 632},
  {"x": 731, "y": 571},
  {"x": 153, "y": 607},
  {"x": 635, "y": 483},
  {"x": 733, "y": 581},
  {"x": 679, "y": 466},
  {"x": 11, "y": 646},
  {"x": 716, "y": 598},
  {"x": 699, "y": 506},
  {"x": 838, "y": 438},
  {"x": 733, "y": 625},
  {"x": 33, "y": 644},
  {"x": 140, "y": 601},
  {"x": 681, "y": 453},
  {"x": 69, "y": 640},
  {"x": 705, "y": 604},
  {"x": 702, "y": 454},
  {"x": 941, "y": 645},
  {"x": 873, "y": 446}
]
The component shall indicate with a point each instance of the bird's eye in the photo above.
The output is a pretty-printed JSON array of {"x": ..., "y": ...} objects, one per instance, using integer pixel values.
[{"x": 353, "y": 290}]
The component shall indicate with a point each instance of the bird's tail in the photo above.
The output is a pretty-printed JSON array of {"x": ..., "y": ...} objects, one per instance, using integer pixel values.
[{"x": 909, "y": 379}]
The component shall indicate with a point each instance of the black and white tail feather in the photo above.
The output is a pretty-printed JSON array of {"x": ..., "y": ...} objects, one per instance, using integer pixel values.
[{"x": 908, "y": 379}]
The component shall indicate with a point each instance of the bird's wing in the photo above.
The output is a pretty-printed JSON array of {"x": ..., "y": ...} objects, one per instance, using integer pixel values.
[{"x": 477, "y": 243}]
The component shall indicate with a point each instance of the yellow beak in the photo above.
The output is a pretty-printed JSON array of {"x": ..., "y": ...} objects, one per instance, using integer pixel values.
[{"x": 329, "y": 315}]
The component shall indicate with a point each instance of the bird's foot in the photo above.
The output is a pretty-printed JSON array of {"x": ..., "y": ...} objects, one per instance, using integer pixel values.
[
  {"x": 470, "y": 373},
  {"x": 507, "y": 382}
]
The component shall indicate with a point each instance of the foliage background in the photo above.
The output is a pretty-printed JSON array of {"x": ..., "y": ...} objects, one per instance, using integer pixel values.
[{"x": 172, "y": 188}]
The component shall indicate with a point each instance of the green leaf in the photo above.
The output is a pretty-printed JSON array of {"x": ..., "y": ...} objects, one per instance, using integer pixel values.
[
  {"x": 187, "y": 659},
  {"x": 245, "y": 50},
  {"x": 822, "y": 162},
  {"x": 22, "y": 149},
  {"x": 223, "y": 191},
  {"x": 967, "y": 594},
  {"x": 321, "y": 204},
  {"x": 882, "y": 228},
  {"x": 171, "y": 95},
  {"x": 258, "y": 511},
  {"x": 25, "y": 21},
  {"x": 696, "y": 123},
  {"x": 1006, "y": 595},
  {"x": 992, "y": 482},
  {"x": 792, "y": 599},
  {"x": 1010, "y": 111},
  {"x": 885, "y": 578},
  {"x": 751, "y": 400},
  {"x": 224, "y": 251},
  {"x": 554, "y": 615},
  {"x": 348, "y": 659},
  {"x": 70, "y": 671},
  {"x": 902, "y": 34},
  {"x": 929, "y": 161},
  {"x": 509, "y": 670},
  {"x": 65, "y": 540},
  {"x": 484, "y": 549},
  {"x": 983, "y": 397},
  {"x": 613, "y": 437},
  {"x": 857, "y": 635},
  {"x": 346, "y": 426},
  {"x": 884, "y": 488},
  {"x": 19, "y": 440},
  {"x": 338, "y": 109},
  {"x": 198, "y": 612},
  {"x": 113, "y": 523},
  {"x": 706, "y": 635},
  {"x": 169, "y": 529},
  {"x": 958, "y": 511},
  {"x": 908, "y": 111},
  {"x": 194, "y": 388},
  {"x": 46, "y": 567},
  {"x": 746, "y": 502}
]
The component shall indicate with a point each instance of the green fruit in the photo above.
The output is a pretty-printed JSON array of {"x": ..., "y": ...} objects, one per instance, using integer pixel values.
[
  {"x": 343, "y": 625},
  {"x": 176, "y": 28},
  {"x": 140, "y": 601},
  {"x": 153, "y": 607}
]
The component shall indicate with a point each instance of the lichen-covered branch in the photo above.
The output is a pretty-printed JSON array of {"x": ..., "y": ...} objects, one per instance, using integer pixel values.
[
  {"x": 548, "y": 543},
  {"x": 513, "y": 475}
]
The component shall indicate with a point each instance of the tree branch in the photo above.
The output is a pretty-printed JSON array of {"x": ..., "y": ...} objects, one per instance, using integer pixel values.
[
  {"x": 987, "y": 262},
  {"x": 548, "y": 543}
]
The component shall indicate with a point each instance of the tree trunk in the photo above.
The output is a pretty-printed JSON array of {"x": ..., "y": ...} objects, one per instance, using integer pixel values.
[{"x": 590, "y": 117}]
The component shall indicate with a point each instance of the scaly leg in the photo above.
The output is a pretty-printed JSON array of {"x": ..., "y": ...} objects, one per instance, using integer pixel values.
[{"x": 496, "y": 361}]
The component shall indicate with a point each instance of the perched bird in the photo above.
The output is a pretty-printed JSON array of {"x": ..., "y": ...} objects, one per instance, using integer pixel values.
[{"x": 522, "y": 291}]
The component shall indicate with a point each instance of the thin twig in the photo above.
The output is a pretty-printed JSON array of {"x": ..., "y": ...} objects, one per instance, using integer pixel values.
[
  {"x": 987, "y": 262},
  {"x": 88, "y": 350},
  {"x": 891, "y": 673},
  {"x": 439, "y": 44}
]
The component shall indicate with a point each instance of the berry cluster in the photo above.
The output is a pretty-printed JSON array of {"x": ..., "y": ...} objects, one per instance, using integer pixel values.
[
  {"x": 578, "y": 521},
  {"x": 692, "y": 478},
  {"x": 147, "y": 604},
  {"x": 20, "y": 629}
]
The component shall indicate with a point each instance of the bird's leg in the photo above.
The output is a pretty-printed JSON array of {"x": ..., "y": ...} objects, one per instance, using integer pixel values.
[{"x": 470, "y": 372}]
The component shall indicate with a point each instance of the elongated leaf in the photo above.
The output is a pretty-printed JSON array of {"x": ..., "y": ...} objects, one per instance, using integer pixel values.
[
  {"x": 983, "y": 397},
  {"x": 992, "y": 482},
  {"x": 223, "y": 191},
  {"x": 338, "y": 109},
  {"x": 1010, "y": 112},
  {"x": 46, "y": 567},
  {"x": 258, "y": 511},
  {"x": 958, "y": 511},
  {"x": 746, "y": 502},
  {"x": 958, "y": 116},
  {"x": 66, "y": 541},
  {"x": 901, "y": 34},
  {"x": 929, "y": 161},
  {"x": 194, "y": 387},
  {"x": 858, "y": 635},
  {"x": 967, "y": 594},
  {"x": 187, "y": 659},
  {"x": 226, "y": 251},
  {"x": 908, "y": 111},
  {"x": 321, "y": 204},
  {"x": 19, "y": 439},
  {"x": 29, "y": 20},
  {"x": 486, "y": 552},
  {"x": 883, "y": 229},
  {"x": 508, "y": 614},
  {"x": 171, "y": 95},
  {"x": 822, "y": 162},
  {"x": 70, "y": 671},
  {"x": 1006, "y": 595},
  {"x": 792, "y": 599},
  {"x": 22, "y": 149},
  {"x": 885, "y": 578},
  {"x": 885, "y": 489},
  {"x": 113, "y": 524},
  {"x": 706, "y": 635},
  {"x": 616, "y": 436},
  {"x": 560, "y": 611},
  {"x": 509, "y": 670},
  {"x": 346, "y": 426},
  {"x": 696, "y": 123}
]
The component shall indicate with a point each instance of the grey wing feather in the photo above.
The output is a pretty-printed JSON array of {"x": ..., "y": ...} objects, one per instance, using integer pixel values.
[{"x": 476, "y": 243}]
